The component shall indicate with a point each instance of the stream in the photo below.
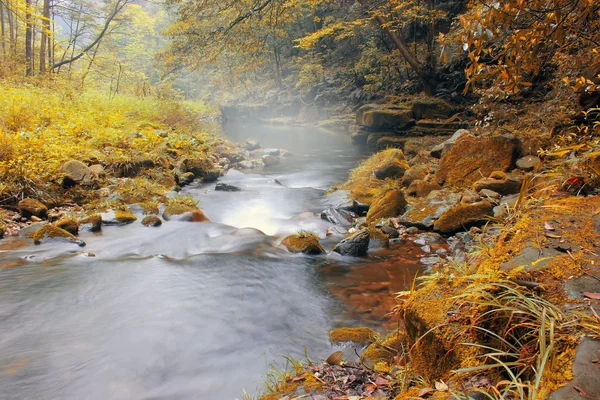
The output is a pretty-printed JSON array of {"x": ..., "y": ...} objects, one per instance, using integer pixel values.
[{"x": 194, "y": 310}]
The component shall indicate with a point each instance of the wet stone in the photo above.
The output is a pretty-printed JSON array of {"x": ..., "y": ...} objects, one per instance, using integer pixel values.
[{"x": 224, "y": 187}]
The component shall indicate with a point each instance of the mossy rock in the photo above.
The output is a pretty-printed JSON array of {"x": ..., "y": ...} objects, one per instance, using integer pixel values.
[
  {"x": 118, "y": 217},
  {"x": 50, "y": 233},
  {"x": 388, "y": 118},
  {"x": 68, "y": 224},
  {"x": 180, "y": 212},
  {"x": 202, "y": 168},
  {"x": 391, "y": 204},
  {"x": 2, "y": 229},
  {"x": 152, "y": 220},
  {"x": 31, "y": 207},
  {"x": 394, "y": 168},
  {"x": 303, "y": 243},
  {"x": 390, "y": 142},
  {"x": 462, "y": 216},
  {"x": 429, "y": 108},
  {"x": 473, "y": 157},
  {"x": 92, "y": 223},
  {"x": 423, "y": 212},
  {"x": 421, "y": 188},
  {"x": 361, "y": 335},
  {"x": 377, "y": 354}
]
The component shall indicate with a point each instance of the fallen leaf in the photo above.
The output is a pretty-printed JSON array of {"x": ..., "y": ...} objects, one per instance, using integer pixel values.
[
  {"x": 370, "y": 387},
  {"x": 581, "y": 392},
  {"x": 552, "y": 236},
  {"x": 336, "y": 358},
  {"x": 298, "y": 378},
  {"x": 548, "y": 226},
  {"x": 425, "y": 391},
  {"x": 593, "y": 296},
  {"x": 441, "y": 386},
  {"x": 379, "y": 381}
]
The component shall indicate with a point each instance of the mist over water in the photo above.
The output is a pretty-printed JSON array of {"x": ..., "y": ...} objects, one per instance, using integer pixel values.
[{"x": 187, "y": 310}]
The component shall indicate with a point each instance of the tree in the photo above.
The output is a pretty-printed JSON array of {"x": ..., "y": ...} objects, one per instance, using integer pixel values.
[{"x": 28, "y": 39}]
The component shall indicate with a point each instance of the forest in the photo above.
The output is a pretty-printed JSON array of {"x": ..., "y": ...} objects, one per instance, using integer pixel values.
[{"x": 452, "y": 146}]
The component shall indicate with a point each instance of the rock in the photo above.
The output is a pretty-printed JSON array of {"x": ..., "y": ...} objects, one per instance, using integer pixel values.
[
  {"x": 586, "y": 374},
  {"x": 472, "y": 157},
  {"x": 386, "y": 117},
  {"x": 68, "y": 224},
  {"x": 247, "y": 164},
  {"x": 390, "y": 142},
  {"x": 429, "y": 238},
  {"x": 355, "y": 245},
  {"x": 430, "y": 108},
  {"x": 92, "y": 223},
  {"x": 50, "y": 233},
  {"x": 28, "y": 231},
  {"x": 303, "y": 242},
  {"x": 359, "y": 136},
  {"x": 178, "y": 212},
  {"x": 463, "y": 216},
  {"x": 338, "y": 217},
  {"x": 272, "y": 152},
  {"x": 441, "y": 149},
  {"x": 251, "y": 145},
  {"x": 528, "y": 163},
  {"x": 202, "y": 168},
  {"x": 77, "y": 173},
  {"x": 392, "y": 168},
  {"x": 422, "y": 212},
  {"x": 224, "y": 187},
  {"x": 31, "y": 207},
  {"x": 117, "y": 217},
  {"x": 531, "y": 258},
  {"x": 470, "y": 197},
  {"x": 415, "y": 173},
  {"x": 152, "y": 220},
  {"x": 390, "y": 205},
  {"x": 98, "y": 170},
  {"x": 490, "y": 195},
  {"x": 412, "y": 230},
  {"x": 412, "y": 147},
  {"x": 500, "y": 182},
  {"x": 269, "y": 161},
  {"x": 2, "y": 228},
  {"x": 422, "y": 188},
  {"x": 361, "y": 336},
  {"x": 185, "y": 178}
]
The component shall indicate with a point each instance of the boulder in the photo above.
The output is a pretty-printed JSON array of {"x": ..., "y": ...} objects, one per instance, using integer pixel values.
[
  {"x": 393, "y": 168},
  {"x": 472, "y": 157},
  {"x": 528, "y": 163},
  {"x": 430, "y": 108},
  {"x": 92, "y": 223},
  {"x": 387, "y": 117},
  {"x": 500, "y": 182},
  {"x": 117, "y": 217},
  {"x": 251, "y": 145},
  {"x": 272, "y": 152},
  {"x": 152, "y": 220},
  {"x": 423, "y": 212},
  {"x": 355, "y": 245},
  {"x": 441, "y": 149},
  {"x": 391, "y": 204},
  {"x": 390, "y": 142},
  {"x": 68, "y": 224},
  {"x": 77, "y": 173},
  {"x": 185, "y": 178},
  {"x": 202, "y": 168},
  {"x": 31, "y": 207},
  {"x": 303, "y": 242},
  {"x": 98, "y": 170},
  {"x": 224, "y": 187},
  {"x": 359, "y": 136},
  {"x": 422, "y": 188},
  {"x": 269, "y": 161},
  {"x": 415, "y": 173},
  {"x": 51, "y": 234},
  {"x": 462, "y": 216},
  {"x": 179, "y": 212},
  {"x": 2, "y": 228},
  {"x": 246, "y": 164},
  {"x": 490, "y": 195}
]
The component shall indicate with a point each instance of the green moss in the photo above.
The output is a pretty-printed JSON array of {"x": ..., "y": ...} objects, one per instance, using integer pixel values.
[{"x": 361, "y": 335}]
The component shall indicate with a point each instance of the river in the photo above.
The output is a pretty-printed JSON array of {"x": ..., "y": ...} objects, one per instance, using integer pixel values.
[{"x": 193, "y": 310}]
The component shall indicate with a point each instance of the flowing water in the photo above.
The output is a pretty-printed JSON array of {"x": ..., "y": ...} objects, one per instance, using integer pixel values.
[{"x": 193, "y": 310}]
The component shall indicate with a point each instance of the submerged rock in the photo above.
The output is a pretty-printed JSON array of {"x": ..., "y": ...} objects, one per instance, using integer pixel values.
[
  {"x": 50, "y": 233},
  {"x": 356, "y": 245},
  {"x": 31, "y": 207},
  {"x": 152, "y": 220},
  {"x": 224, "y": 187},
  {"x": 338, "y": 217},
  {"x": 303, "y": 242}
]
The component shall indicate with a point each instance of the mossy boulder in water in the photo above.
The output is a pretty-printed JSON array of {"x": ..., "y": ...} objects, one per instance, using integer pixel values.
[
  {"x": 118, "y": 217},
  {"x": 92, "y": 223},
  {"x": 473, "y": 157},
  {"x": 181, "y": 212},
  {"x": 391, "y": 204},
  {"x": 31, "y": 207},
  {"x": 303, "y": 242},
  {"x": 355, "y": 245},
  {"x": 202, "y": 168},
  {"x": 152, "y": 220},
  {"x": 361, "y": 335},
  {"x": 50, "y": 233},
  {"x": 462, "y": 216},
  {"x": 68, "y": 224}
]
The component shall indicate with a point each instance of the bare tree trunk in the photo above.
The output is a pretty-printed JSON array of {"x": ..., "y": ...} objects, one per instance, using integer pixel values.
[
  {"x": 402, "y": 47},
  {"x": 11, "y": 27},
  {"x": 45, "y": 30},
  {"x": 28, "y": 39},
  {"x": 2, "y": 32}
]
